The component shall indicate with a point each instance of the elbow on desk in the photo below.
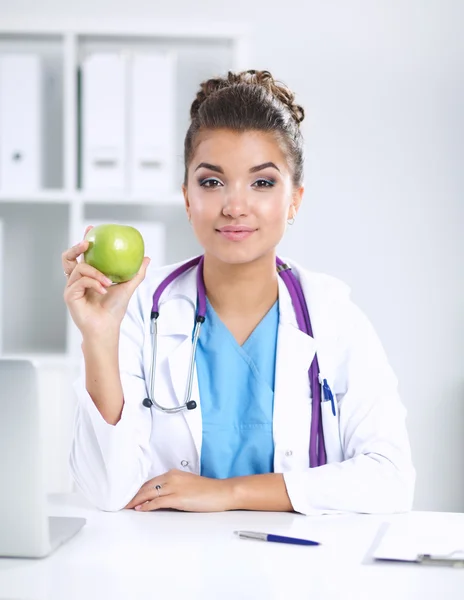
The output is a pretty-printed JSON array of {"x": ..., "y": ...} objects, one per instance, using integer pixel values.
[
  {"x": 365, "y": 484},
  {"x": 101, "y": 490},
  {"x": 407, "y": 486},
  {"x": 102, "y": 497},
  {"x": 396, "y": 495}
]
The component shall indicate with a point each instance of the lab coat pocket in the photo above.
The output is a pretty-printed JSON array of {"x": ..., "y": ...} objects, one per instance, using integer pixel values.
[{"x": 330, "y": 422}]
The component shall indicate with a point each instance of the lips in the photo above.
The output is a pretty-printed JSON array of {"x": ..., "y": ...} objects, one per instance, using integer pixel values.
[
  {"x": 235, "y": 228},
  {"x": 236, "y": 233}
]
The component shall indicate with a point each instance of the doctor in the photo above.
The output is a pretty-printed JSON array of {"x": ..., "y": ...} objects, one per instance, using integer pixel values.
[{"x": 246, "y": 443}]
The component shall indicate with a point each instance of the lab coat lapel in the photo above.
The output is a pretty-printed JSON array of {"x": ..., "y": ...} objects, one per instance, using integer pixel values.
[
  {"x": 304, "y": 346},
  {"x": 295, "y": 352},
  {"x": 177, "y": 306},
  {"x": 176, "y": 322},
  {"x": 179, "y": 361}
]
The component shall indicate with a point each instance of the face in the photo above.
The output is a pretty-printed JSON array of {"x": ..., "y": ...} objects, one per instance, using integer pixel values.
[{"x": 240, "y": 194}]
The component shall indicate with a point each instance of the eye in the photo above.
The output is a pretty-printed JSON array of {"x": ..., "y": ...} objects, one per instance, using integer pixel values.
[
  {"x": 206, "y": 182},
  {"x": 266, "y": 182}
]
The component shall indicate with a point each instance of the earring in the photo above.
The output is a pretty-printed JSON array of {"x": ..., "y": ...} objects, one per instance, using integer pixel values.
[{"x": 292, "y": 220}]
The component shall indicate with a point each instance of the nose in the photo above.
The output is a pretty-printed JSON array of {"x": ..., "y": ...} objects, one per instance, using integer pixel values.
[{"x": 235, "y": 204}]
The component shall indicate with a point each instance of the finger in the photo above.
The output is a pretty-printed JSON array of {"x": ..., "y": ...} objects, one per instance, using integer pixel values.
[
  {"x": 158, "y": 480},
  {"x": 85, "y": 270},
  {"x": 147, "y": 494},
  {"x": 78, "y": 289},
  {"x": 87, "y": 229},
  {"x": 168, "y": 501},
  {"x": 69, "y": 257},
  {"x": 139, "y": 277},
  {"x": 139, "y": 498}
]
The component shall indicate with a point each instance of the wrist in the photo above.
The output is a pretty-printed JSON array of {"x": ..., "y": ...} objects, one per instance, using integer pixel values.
[
  {"x": 257, "y": 492},
  {"x": 96, "y": 340},
  {"x": 233, "y": 493}
]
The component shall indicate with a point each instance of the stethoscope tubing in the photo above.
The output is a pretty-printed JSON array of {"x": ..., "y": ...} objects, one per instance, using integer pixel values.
[{"x": 317, "y": 453}]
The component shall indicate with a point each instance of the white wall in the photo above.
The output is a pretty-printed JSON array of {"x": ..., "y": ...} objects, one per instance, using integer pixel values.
[{"x": 382, "y": 85}]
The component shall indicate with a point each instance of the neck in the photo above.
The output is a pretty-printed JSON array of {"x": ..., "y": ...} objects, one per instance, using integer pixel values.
[{"x": 241, "y": 289}]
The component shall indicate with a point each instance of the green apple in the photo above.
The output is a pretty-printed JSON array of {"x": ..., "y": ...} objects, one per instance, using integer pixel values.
[{"x": 117, "y": 251}]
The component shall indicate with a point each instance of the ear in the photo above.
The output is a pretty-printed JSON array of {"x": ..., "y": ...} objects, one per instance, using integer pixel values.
[
  {"x": 294, "y": 207},
  {"x": 186, "y": 201}
]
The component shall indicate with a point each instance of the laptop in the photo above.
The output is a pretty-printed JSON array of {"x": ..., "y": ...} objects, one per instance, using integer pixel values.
[{"x": 25, "y": 529}]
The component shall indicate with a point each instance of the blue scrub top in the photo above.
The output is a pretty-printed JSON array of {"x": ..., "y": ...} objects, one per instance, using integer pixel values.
[{"x": 236, "y": 385}]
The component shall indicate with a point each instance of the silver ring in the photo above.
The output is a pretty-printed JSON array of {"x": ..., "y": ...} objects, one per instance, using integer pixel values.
[{"x": 157, "y": 488}]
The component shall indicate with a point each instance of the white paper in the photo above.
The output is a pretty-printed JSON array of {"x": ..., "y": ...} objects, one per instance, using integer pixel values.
[
  {"x": 405, "y": 541},
  {"x": 20, "y": 122}
]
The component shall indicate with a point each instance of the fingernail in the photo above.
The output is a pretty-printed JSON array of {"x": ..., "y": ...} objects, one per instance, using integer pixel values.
[
  {"x": 103, "y": 290},
  {"x": 107, "y": 280},
  {"x": 138, "y": 507}
]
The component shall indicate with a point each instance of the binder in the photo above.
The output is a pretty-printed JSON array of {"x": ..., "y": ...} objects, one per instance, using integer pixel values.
[
  {"x": 103, "y": 121},
  {"x": 151, "y": 118},
  {"x": 20, "y": 122}
]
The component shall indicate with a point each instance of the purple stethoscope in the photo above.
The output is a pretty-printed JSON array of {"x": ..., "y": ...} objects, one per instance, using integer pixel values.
[{"x": 317, "y": 454}]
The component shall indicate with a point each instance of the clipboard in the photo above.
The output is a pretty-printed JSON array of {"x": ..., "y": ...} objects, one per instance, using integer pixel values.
[{"x": 420, "y": 545}]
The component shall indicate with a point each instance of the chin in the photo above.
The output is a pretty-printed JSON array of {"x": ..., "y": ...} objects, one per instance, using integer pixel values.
[{"x": 239, "y": 256}]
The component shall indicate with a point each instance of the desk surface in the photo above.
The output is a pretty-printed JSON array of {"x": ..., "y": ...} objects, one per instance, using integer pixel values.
[{"x": 164, "y": 555}]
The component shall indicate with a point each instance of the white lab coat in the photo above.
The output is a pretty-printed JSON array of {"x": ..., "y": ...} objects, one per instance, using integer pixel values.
[{"x": 368, "y": 466}]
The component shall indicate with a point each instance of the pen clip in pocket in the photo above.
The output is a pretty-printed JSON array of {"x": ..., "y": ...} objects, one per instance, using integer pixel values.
[{"x": 326, "y": 394}]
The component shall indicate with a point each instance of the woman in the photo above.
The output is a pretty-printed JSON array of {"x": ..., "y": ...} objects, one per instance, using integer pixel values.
[{"x": 246, "y": 444}]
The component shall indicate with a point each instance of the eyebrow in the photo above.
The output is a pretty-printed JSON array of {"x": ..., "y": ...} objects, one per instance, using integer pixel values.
[{"x": 252, "y": 170}]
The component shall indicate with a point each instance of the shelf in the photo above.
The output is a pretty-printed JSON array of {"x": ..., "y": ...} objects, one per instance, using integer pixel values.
[
  {"x": 63, "y": 197},
  {"x": 38, "y": 224},
  {"x": 42, "y": 359},
  {"x": 173, "y": 199},
  {"x": 41, "y": 196},
  {"x": 158, "y": 28}
]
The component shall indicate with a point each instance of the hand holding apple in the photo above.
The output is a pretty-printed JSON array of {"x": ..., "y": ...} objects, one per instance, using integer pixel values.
[
  {"x": 115, "y": 250},
  {"x": 96, "y": 305}
]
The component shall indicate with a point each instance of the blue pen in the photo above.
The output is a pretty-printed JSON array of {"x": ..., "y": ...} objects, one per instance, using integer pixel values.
[
  {"x": 269, "y": 537},
  {"x": 328, "y": 395}
]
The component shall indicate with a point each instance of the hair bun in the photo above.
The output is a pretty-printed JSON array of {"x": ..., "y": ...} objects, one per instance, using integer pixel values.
[{"x": 262, "y": 78}]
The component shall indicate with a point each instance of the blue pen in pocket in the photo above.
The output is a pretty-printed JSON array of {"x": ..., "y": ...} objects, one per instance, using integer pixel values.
[{"x": 327, "y": 392}]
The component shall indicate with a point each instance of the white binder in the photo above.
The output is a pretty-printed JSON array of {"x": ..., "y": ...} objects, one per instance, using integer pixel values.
[
  {"x": 152, "y": 106},
  {"x": 103, "y": 126},
  {"x": 20, "y": 122}
]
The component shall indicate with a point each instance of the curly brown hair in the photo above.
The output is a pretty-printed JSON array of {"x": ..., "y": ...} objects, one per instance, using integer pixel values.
[{"x": 248, "y": 101}]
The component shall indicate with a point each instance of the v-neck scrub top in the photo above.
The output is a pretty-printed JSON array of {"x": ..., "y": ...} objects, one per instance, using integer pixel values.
[{"x": 236, "y": 385}]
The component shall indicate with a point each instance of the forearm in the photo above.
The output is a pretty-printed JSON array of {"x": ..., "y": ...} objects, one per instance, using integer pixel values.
[
  {"x": 102, "y": 378},
  {"x": 260, "y": 492}
]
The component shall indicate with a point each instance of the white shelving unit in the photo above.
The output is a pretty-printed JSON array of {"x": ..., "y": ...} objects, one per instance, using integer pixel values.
[{"x": 39, "y": 225}]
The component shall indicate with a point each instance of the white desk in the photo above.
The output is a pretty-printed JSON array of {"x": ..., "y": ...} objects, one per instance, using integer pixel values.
[{"x": 164, "y": 555}]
